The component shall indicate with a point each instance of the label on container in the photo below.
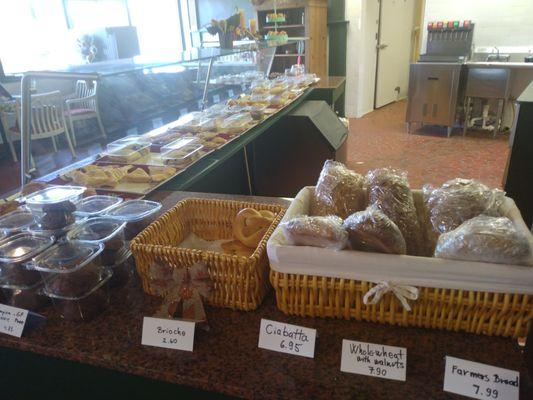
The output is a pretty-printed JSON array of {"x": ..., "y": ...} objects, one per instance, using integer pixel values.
[
  {"x": 377, "y": 360},
  {"x": 231, "y": 93},
  {"x": 287, "y": 338},
  {"x": 480, "y": 381},
  {"x": 168, "y": 333},
  {"x": 216, "y": 98},
  {"x": 12, "y": 320}
]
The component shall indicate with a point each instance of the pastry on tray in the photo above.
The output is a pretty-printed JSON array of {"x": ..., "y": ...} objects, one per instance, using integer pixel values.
[
  {"x": 97, "y": 176},
  {"x": 138, "y": 175},
  {"x": 159, "y": 174}
]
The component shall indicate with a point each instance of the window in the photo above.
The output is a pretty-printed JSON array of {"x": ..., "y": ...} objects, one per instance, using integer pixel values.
[
  {"x": 39, "y": 35},
  {"x": 86, "y": 15}
]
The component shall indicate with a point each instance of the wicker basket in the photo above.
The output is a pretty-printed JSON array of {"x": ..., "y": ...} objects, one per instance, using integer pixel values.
[
  {"x": 239, "y": 282},
  {"x": 498, "y": 314},
  {"x": 312, "y": 282}
]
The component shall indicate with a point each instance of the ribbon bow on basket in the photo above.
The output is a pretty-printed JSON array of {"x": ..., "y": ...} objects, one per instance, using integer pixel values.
[
  {"x": 402, "y": 293},
  {"x": 183, "y": 290}
]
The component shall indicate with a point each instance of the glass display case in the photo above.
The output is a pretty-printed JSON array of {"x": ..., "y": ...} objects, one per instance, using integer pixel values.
[
  {"x": 136, "y": 95},
  {"x": 213, "y": 94}
]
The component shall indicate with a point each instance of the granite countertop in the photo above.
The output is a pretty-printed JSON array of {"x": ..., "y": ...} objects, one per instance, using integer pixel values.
[{"x": 226, "y": 359}]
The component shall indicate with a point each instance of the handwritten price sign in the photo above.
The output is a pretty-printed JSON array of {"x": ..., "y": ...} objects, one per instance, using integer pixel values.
[
  {"x": 480, "y": 381},
  {"x": 287, "y": 338}
]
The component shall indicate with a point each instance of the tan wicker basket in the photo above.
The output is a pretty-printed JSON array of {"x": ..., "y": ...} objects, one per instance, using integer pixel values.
[
  {"x": 239, "y": 282},
  {"x": 498, "y": 314}
]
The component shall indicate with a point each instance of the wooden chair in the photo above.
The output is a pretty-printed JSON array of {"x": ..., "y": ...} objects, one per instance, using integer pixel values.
[
  {"x": 82, "y": 105},
  {"x": 47, "y": 121}
]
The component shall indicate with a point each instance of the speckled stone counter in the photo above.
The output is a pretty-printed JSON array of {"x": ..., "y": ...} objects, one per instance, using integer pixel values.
[{"x": 226, "y": 359}]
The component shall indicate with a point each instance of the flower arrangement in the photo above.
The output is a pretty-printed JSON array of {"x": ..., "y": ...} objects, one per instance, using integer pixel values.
[{"x": 230, "y": 29}]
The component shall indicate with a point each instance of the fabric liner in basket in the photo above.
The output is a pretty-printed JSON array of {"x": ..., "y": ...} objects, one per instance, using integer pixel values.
[
  {"x": 238, "y": 282},
  {"x": 456, "y": 295}
]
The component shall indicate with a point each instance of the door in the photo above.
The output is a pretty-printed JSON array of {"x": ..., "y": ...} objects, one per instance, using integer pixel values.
[{"x": 396, "y": 18}]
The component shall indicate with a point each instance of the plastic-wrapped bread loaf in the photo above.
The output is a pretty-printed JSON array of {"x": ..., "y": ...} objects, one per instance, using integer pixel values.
[
  {"x": 326, "y": 232},
  {"x": 339, "y": 191},
  {"x": 459, "y": 200},
  {"x": 488, "y": 239},
  {"x": 388, "y": 190},
  {"x": 371, "y": 230}
]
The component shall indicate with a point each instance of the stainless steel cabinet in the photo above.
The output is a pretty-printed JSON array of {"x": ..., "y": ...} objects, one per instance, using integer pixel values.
[{"x": 433, "y": 93}]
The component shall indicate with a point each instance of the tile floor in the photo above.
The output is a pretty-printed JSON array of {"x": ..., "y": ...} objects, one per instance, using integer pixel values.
[{"x": 380, "y": 139}]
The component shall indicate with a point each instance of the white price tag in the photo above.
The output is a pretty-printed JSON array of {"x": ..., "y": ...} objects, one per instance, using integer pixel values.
[
  {"x": 216, "y": 98},
  {"x": 480, "y": 381},
  {"x": 377, "y": 360},
  {"x": 12, "y": 320},
  {"x": 231, "y": 93},
  {"x": 287, "y": 338},
  {"x": 168, "y": 333}
]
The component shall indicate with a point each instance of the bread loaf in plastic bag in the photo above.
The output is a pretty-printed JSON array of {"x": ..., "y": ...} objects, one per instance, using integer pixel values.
[
  {"x": 326, "y": 232},
  {"x": 388, "y": 190},
  {"x": 459, "y": 200},
  {"x": 485, "y": 238},
  {"x": 339, "y": 191},
  {"x": 371, "y": 230}
]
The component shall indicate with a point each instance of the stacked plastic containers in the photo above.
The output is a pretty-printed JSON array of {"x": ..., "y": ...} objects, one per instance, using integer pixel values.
[
  {"x": 90, "y": 256},
  {"x": 21, "y": 286}
]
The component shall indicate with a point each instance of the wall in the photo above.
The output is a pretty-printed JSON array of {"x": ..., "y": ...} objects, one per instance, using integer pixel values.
[
  {"x": 498, "y": 22},
  {"x": 361, "y": 56}
]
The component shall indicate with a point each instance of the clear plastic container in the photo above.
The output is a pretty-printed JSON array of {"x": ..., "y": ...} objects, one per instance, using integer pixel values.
[
  {"x": 183, "y": 156},
  {"x": 86, "y": 306},
  {"x": 69, "y": 268},
  {"x": 37, "y": 229},
  {"x": 15, "y": 252},
  {"x": 54, "y": 206},
  {"x": 179, "y": 143},
  {"x": 27, "y": 297},
  {"x": 127, "y": 140},
  {"x": 101, "y": 230},
  {"x": 122, "y": 270},
  {"x": 257, "y": 112},
  {"x": 16, "y": 221},
  {"x": 237, "y": 123},
  {"x": 137, "y": 213},
  {"x": 127, "y": 154},
  {"x": 93, "y": 206}
]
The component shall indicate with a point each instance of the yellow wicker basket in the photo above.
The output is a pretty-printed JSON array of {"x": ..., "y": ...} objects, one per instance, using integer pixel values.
[
  {"x": 239, "y": 282},
  {"x": 498, "y": 314},
  {"x": 303, "y": 289}
]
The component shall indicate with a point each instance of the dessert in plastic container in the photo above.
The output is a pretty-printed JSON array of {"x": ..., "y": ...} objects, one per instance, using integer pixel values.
[
  {"x": 86, "y": 306},
  {"x": 191, "y": 122},
  {"x": 137, "y": 213},
  {"x": 69, "y": 268},
  {"x": 16, "y": 221},
  {"x": 15, "y": 252},
  {"x": 93, "y": 206},
  {"x": 101, "y": 230},
  {"x": 128, "y": 153},
  {"x": 53, "y": 207},
  {"x": 257, "y": 112},
  {"x": 37, "y": 229},
  {"x": 237, "y": 123},
  {"x": 127, "y": 140},
  {"x": 183, "y": 156},
  {"x": 122, "y": 270},
  {"x": 28, "y": 297},
  {"x": 179, "y": 143}
]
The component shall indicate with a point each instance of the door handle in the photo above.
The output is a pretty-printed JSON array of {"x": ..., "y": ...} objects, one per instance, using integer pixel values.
[{"x": 382, "y": 46}]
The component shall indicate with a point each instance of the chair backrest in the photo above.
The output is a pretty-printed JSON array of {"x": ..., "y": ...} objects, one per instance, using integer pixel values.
[
  {"x": 46, "y": 114},
  {"x": 86, "y": 89}
]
